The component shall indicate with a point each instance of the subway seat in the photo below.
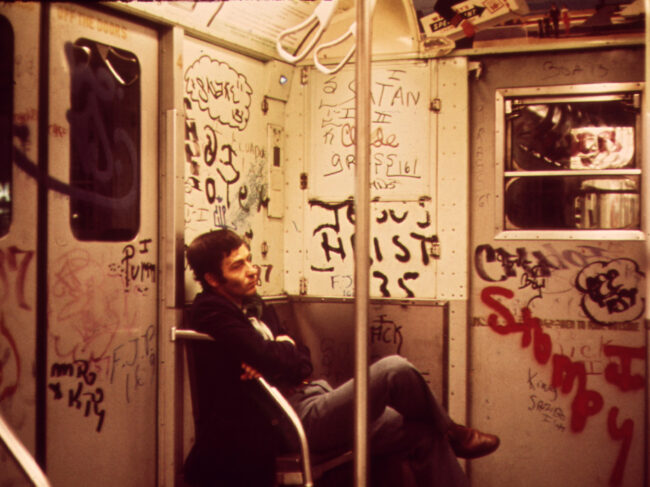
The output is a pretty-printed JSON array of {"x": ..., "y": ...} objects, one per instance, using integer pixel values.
[{"x": 291, "y": 469}]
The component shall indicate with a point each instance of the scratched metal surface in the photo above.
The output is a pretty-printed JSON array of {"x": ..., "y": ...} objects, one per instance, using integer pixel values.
[
  {"x": 102, "y": 294},
  {"x": 543, "y": 309},
  {"x": 229, "y": 140},
  {"x": 17, "y": 251},
  {"x": 417, "y": 331}
]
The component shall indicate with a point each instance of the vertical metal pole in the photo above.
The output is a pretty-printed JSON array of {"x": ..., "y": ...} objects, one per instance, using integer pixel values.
[
  {"x": 362, "y": 239},
  {"x": 645, "y": 211},
  {"x": 42, "y": 234}
]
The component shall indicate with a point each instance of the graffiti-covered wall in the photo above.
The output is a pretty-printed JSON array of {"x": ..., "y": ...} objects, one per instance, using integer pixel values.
[
  {"x": 101, "y": 375},
  {"x": 418, "y": 213},
  {"x": 413, "y": 165},
  {"x": 17, "y": 252},
  {"x": 558, "y": 344},
  {"x": 227, "y": 154}
]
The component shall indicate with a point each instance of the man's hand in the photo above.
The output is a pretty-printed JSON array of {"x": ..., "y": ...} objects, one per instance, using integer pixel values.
[{"x": 248, "y": 372}]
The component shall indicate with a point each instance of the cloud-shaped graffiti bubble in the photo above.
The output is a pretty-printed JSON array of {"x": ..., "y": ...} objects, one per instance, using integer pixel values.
[
  {"x": 612, "y": 291},
  {"x": 220, "y": 91}
]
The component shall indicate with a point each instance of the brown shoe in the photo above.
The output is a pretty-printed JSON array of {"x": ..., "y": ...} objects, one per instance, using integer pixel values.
[{"x": 471, "y": 443}]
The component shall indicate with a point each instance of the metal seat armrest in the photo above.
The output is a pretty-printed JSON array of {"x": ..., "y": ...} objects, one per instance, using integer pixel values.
[
  {"x": 22, "y": 456},
  {"x": 297, "y": 424},
  {"x": 275, "y": 395}
]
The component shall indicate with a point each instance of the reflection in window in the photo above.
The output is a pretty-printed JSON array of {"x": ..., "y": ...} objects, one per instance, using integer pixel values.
[
  {"x": 583, "y": 135},
  {"x": 608, "y": 203},
  {"x": 6, "y": 122},
  {"x": 104, "y": 142},
  {"x": 548, "y": 203}
]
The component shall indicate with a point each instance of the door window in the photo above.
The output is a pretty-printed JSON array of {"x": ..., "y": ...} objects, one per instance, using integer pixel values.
[
  {"x": 104, "y": 142},
  {"x": 569, "y": 158},
  {"x": 6, "y": 122}
]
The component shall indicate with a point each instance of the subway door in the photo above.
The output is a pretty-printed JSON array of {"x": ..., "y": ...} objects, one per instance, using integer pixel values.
[
  {"x": 19, "y": 24},
  {"x": 102, "y": 250}
]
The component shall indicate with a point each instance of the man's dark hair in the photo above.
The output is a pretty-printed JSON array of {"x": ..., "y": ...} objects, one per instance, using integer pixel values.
[{"x": 207, "y": 251}]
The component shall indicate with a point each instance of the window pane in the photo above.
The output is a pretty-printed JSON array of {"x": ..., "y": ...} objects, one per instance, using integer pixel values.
[
  {"x": 104, "y": 142},
  {"x": 570, "y": 157},
  {"x": 6, "y": 122},
  {"x": 573, "y": 135},
  {"x": 572, "y": 203}
]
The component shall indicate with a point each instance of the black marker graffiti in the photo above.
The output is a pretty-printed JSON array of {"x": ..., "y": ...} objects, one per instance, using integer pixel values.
[
  {"x": 31, "y": 169},
  {"x": 407, "y": 277},
  {"x": 610, "y": 291},
  {"x": 220, "y": 91},
  {"x": 135, "y": 361},
  {"x": 79, "y": 396},
  {"x": 391, "y": 163},
  {"x": 135, "y": 275},
  {"x": 334, "y": 226},
  {"x": 384, "y": 330},
  {"x": 216, "y": 164},
  {"x": 486, "y": 254}
]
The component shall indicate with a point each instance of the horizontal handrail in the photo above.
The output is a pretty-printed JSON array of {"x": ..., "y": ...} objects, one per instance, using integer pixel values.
[
  {"x": 189, "y": 334},
  {"x": 178, "y": 333},
  {"x": 22, "y": 455}
]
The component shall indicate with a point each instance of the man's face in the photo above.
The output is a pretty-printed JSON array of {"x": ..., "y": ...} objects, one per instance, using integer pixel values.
[{"x": 240, "y": 276}]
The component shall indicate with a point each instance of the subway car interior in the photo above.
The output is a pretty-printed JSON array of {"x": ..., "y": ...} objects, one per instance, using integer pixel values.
[{"x": 440, "y": 181}]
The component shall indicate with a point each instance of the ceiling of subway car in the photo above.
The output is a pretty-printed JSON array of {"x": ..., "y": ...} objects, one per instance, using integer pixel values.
[
  {"x": 323, "y": 31},
  {"x": 256, "y": 26}
]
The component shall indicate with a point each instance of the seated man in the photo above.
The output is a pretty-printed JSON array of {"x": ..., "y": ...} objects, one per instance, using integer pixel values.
[{"x": 405, "y": 420}]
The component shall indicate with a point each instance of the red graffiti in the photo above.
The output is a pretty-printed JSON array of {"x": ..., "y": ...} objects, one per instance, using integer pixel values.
[
  {"x": 11, "y": 260},
  {"x": 624, "y": 378},
  {"x": 585, "y": 403},
  {"x": 530, "y": 326},
  {"x": 623, "y": 433},
  {"x": 566, "y": 373},
  {"x": 57, "y": 130},
  {"x": 9, "y": 389}
]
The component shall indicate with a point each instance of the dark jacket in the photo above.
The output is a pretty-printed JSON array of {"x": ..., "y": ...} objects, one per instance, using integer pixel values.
[{"x": 235, "y": 438}]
